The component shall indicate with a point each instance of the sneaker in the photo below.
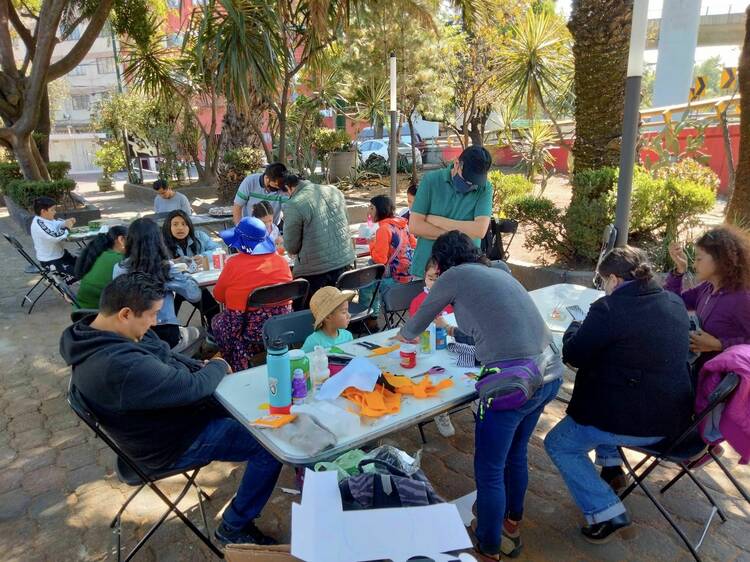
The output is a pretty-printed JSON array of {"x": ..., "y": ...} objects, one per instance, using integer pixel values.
[
  {"x": 444, "y": 425},
  {"x": 249, "y": 534},
  {"x": 600, "y": 533}
]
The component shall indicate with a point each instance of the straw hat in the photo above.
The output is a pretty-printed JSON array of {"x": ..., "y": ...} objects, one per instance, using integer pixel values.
[{"x": 325, "y": 301}]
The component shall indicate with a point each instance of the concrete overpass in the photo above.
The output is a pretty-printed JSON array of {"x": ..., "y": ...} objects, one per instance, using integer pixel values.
[{"x": 715, "y": 30}]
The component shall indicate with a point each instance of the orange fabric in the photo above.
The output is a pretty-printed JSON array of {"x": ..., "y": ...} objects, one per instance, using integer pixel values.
[
  {"x": 375, "y": 404},
  {"x": 384, "y": 350},
  {"x": 423, "y": 389},
  {"x": 380, "y": 246},
  {"x": 243, "y": 273}
]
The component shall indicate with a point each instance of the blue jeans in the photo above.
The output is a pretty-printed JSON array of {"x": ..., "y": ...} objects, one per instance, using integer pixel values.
[
  {"x": 568, "y": 444},
  {"x": 225, "y": 439},
  {"x": 501, "y": 469}
]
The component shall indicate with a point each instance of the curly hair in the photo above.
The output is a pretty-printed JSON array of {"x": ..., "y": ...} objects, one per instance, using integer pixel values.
[
  {"x": 455, "y": 248},
  {"x": 729, "y": 247}
]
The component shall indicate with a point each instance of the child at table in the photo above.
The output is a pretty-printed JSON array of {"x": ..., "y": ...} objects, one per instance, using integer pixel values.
[
  {"x": 48, "y": 235},
  {"x": 330, "y": 309},
  {"x": 263, "y": 211}
]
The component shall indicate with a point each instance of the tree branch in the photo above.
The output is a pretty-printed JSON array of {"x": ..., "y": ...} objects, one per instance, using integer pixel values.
[
  {"x": 72, "y": 27},
  {"x": 76, "y": 54},
  {"x": 20, "y": 28},
  {"x": 7, "y": 58}
]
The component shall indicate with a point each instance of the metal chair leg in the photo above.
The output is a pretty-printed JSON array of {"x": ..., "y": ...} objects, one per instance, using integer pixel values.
[
  {"x": 730, "y": 476},
  {"x": 707, "y": 494},
  {"x": 125, "y": 505},
  {"x": 674, "y": 481},
  {"x": 421, "y": 433}
]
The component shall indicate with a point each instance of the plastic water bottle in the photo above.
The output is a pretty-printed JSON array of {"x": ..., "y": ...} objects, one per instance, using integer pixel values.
[
  {"x": 319, "y": 371},
  {"x": 279, "y": 379}
]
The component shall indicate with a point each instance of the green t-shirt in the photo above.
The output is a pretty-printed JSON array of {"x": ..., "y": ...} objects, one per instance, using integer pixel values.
[
  {"x": 436, "y": 196},
  {"x": 319, "y": 337},
  {"x": 97, "y": 278}
]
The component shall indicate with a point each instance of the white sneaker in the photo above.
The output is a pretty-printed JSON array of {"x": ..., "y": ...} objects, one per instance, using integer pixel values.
[{"x": 444, "y": 425}]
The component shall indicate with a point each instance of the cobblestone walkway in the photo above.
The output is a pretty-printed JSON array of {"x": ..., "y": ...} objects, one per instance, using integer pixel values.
[{"x": 58, "y": 490}]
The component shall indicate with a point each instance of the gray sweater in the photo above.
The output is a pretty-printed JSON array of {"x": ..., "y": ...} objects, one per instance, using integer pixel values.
[
  {"x": 177, "y": 202},
  {"x": 492, "y": 307}
]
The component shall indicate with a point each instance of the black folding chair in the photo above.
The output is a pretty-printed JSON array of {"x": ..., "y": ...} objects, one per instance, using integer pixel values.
[
  {"x": 396, "y": 302},
  {"x": 129, "y": 472},
  {"x": 300, "y": 323},
  {"x": 359, "y": 279},
  {"x": 294, "y": 291},
  {"x": 683, "y": 451},
  {"x": 492, "y": 244},
  {"x": 47, "y": 277}
]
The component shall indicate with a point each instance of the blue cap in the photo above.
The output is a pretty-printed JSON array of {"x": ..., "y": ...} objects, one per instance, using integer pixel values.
[{"x": 250, "y": 237}]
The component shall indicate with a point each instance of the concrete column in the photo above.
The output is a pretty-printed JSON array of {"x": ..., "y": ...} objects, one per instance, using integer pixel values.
[{"x": 678, "y": 38}]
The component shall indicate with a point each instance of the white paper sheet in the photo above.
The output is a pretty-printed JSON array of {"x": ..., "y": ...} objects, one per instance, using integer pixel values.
[
  {"x": 465, "y": 505},
  {"x": 360, "y": 373},
  {"x": 323, "y": 532}
]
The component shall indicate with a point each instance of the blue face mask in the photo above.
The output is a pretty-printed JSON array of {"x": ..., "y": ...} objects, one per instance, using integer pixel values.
[{"x": 461, "y": 185}]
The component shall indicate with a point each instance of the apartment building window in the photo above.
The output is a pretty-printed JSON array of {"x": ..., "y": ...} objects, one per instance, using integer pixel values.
[
  {"x": 105, "y": 65},
  {"x": 75, "y": 35},
  {"x": 79, "y": 70},
  {"x": 81, "y": 102}
]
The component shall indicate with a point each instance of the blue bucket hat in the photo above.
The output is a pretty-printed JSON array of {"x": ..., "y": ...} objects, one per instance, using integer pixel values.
[{"x": 250, "y": 237}]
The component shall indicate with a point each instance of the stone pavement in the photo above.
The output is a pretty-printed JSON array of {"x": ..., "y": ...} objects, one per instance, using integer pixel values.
[{"x": 58, "y": 490}]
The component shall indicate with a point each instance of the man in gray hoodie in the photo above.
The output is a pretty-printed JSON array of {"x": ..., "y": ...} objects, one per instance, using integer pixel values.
[{"x": 157, "y": 405}]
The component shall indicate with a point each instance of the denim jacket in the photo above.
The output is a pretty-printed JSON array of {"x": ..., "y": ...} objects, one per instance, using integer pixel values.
[
  {"x": 181, "y": 283},
  {"x": 207, "y": 245}
]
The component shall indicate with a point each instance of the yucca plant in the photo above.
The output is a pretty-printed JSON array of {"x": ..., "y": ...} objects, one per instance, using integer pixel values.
[{"x": 535, "y": 155}]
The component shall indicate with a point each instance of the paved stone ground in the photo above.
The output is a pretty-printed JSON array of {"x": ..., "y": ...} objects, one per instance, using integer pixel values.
[{"x": 58, "y": 490}]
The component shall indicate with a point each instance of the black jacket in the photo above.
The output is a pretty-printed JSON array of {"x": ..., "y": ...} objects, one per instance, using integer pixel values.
[
  {"x": 153, "y": 402},
  {"x": 631, "y": 352}
]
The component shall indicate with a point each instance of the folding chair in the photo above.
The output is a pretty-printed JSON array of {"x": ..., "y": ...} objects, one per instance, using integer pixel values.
[
  {"x": 396, "y": 302},
  {"x": 300, "y": 323},
  {"x": 359, "y": 279},
  {"x": 683, "y": 452},
  {"x": 129, "y": 472},
  {"x": 492, "y": 244},
  {"x": 295, "y": 291},
  {"x": 47, "y": 277}
]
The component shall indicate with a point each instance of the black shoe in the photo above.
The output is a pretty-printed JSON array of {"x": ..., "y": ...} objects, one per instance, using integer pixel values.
[
  {"x": 616, "y": 478},
  {"x": 249, "y": 534},
  {"x": 600, "y": 533}
]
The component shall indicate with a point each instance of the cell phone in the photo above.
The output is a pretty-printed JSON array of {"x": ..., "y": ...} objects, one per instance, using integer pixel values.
[{"x": 576, "y": 312}]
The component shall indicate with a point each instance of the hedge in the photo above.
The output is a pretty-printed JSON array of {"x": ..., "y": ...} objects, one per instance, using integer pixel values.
[{"x": 24, "y": 191}]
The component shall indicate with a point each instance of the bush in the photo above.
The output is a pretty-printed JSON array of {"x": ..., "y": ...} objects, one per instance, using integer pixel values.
[
  {"x": 545, "y": 225},
  {"x": 245, "y": 160},
  {"x": 24, "y": 192},
  {"x": 505, "y": 188},
  {"x": 326, "y": 141},
  {"x": 58, "y": 170},
  {"x": 9, "y": 171},
  {"x": 590, "y": 211},
  {"x": 690, "y": 170},
  {"x": 110, "y": 158},
  {"x": 376, "y": 164}
]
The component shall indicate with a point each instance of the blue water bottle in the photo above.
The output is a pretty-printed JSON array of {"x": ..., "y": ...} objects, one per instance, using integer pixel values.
[{"x": 279, "y": 377}]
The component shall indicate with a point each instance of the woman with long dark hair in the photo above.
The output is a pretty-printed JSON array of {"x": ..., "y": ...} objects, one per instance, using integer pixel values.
[
  {"x": 95, "y": 264},
  {"x": 494, "y": 309},
  {"x": 183, "y": 240},
  {"x": 632, "y": 387},
  {"x": 145, "y": 252},
  {"x": 722, "y": 299}
]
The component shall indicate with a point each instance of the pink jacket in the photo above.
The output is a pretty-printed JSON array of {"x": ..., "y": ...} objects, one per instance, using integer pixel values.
[{"x": 735, "y": 418}]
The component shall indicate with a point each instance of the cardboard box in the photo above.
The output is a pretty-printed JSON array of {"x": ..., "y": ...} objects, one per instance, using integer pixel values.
[{"x": 257, "y": 553}]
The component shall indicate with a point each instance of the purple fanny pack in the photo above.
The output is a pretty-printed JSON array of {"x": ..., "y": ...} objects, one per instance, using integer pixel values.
[{"x": 507, "y": 385}]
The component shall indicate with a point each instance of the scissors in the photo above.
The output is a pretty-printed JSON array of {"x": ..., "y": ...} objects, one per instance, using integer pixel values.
[{"x": 435, "y": 370}]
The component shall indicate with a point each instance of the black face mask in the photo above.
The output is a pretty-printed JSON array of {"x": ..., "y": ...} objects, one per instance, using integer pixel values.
[{"x": 461, "y": 185}]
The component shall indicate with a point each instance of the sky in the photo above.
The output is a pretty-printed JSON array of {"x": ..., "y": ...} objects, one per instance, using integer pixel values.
[{"x": 729, "y": 55}]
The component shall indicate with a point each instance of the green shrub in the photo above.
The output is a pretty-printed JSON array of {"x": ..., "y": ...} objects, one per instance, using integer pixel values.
[
  {"x": 507, "y": 187},
  {"x": 326, "y": 141},
  {"x": 545, "y": 225},
  {"x": 590, "y": 211},
  {"x": 245, "y": 160},
  {"x": 376, "y": 164},
  {"x": 109, "y": 158},
  {"x": 58, "y": 170},
  {"x": 690, "y": 170},
  {"x": 24, "y": 192},
  {"x": 9, "y": 171}
]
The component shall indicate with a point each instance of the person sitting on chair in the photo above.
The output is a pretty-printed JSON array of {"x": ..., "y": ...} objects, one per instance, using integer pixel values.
[
  {"x": 157, "y": 405},
  {"x": 48, "y": 236},
  {"x": 167, "y": 199}
]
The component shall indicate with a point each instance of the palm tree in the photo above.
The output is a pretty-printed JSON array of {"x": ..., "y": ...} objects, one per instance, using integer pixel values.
[
  {"x": 537, "y": 65},
  {"x": 601, "y": 38},
  {"x": 738, "y": 210}
]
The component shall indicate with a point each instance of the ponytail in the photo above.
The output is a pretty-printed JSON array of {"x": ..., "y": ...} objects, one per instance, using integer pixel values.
[{"x": 100, "y": 244}]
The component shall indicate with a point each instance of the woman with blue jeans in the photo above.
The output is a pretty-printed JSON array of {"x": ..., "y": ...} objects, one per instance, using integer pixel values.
[
  {"x": 496, "y": 311},
  {"x": 632, "y": 387}
]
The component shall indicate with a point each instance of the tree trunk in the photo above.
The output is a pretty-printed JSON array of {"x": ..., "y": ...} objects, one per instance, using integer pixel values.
[
  {"x": 44, "y": 126},
  {"x": 413, "y": 149},
  {"x": 601, "y": 35},
  {"x": 738, "y": 210},
  {"x": 25, "y": 157},
  {"x": 475, "y": 131},
  {"x": 236, "y": 132},
  {"x": 378, "y": 128}
]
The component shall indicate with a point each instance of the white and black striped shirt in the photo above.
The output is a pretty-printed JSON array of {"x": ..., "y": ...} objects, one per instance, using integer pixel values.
[{"x": 48, "y": 238}]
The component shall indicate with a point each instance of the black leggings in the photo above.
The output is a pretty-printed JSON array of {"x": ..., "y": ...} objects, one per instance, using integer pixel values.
[{"x": 169, "y": 333}]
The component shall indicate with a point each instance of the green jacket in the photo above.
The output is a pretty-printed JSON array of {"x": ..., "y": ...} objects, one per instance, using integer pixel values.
[{"x": 316, "y": 229}]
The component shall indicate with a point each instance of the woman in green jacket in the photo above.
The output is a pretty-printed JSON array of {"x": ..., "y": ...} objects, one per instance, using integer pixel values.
[{"x": 94, "y": 265}]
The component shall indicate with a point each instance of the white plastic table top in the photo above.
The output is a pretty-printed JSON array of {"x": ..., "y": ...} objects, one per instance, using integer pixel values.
[
  {"x": 560, "y": 296},
  {"x": 243, "y": 394}
]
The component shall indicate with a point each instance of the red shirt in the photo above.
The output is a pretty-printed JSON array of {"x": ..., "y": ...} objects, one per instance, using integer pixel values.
[
  {"x": 243, "y": 273},
  {"x": 419, "y": 299}
]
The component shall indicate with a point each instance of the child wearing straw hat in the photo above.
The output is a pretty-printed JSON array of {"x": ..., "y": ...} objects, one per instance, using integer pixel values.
[{"x": 330, "y": 309}]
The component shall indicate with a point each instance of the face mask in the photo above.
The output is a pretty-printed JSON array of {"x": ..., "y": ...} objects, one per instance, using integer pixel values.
[{"x": 461, "y": 185}]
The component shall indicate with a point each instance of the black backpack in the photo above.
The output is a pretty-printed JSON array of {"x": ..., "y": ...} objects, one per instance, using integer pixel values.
[{"x": 492, "y": 243}]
